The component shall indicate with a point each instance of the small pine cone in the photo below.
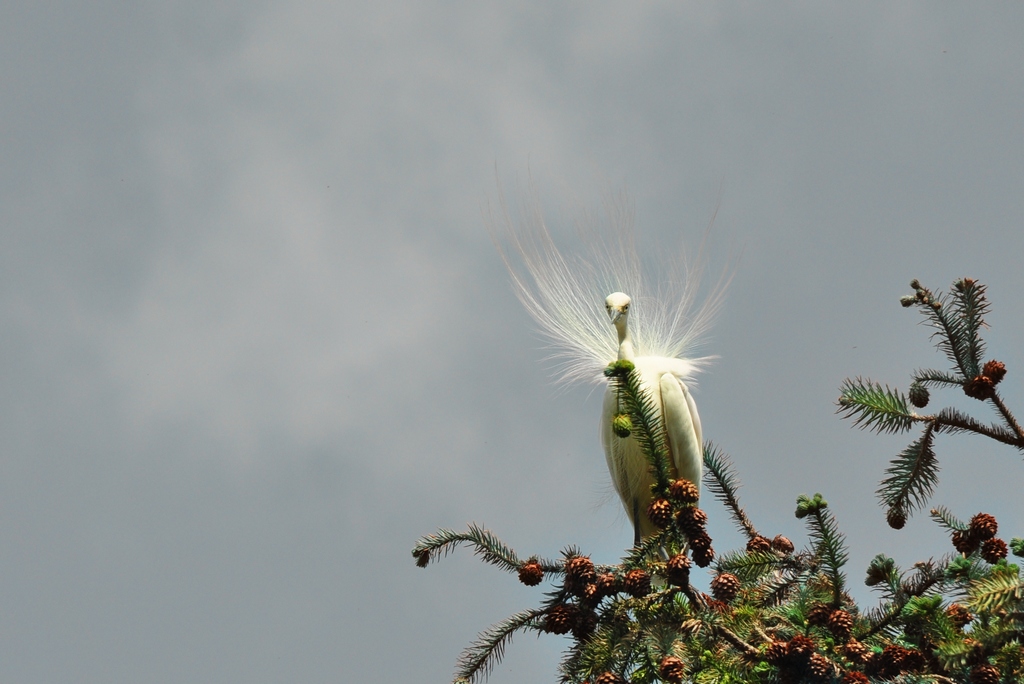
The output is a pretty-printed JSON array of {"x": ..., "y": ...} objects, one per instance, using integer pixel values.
[
  {"x": 964, "y": 542},
  {"x": 984, "y": 526},
  {"x": 759, "y": 544},
  {"x": 672, "y": 669},
  {"x": 959, "y": 615},
  {"x": 819, "y": 669},
  {"x": 586, "y": 623},
  {"x": 684, "y": 491},
  {"x": 856, "y": 652},
  {"x": 782, "y": 545},
  {"x": 691, "y": 520},
  {"x": 422, "y": 558},
  {"x": 579, "y": 572},
  {"x": 985, "y": 674},
  {"x": 607, "y": 584},
  {"x": 659, "y": 512},
  {"x": 777, "y": 653},
  {"x": 677, "y": 570},
  {"x": 637, "y": 583},
  {"x": 560, "y": 619},
  {"x": 980, "y": 387},
  {"x": 918, "y": 395},
  {"x": 994, "y": 371},
  {"x": 896, "y": 518},
  {"x": 854, "y": 678},
  {"x": 913, "y": 661},
  {"x": 818, "y": 614},
  {"x": 590, "y": 594},
  {"x": 890, "y": 660},
  {"x": 725, "y": 587},
  {"x": 703, "y": 556},
  {"x": 840, "y": 623},
  {"x": 609, "y": 678},
  {"x": 993, "y": 550},
  {"x": 530, "y": 573},
  {"x": 801, "y": 648},
  {"x": 622, "y": 425}
]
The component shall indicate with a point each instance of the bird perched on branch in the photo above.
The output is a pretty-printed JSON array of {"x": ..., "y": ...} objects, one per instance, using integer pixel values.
[{"x": 656, "y": 326}]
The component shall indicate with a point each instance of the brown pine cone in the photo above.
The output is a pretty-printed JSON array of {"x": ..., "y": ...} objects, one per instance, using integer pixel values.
[
  {"x": 759, "y": 544},
  {"x": 659, "y": 512},
  {"x": 819, "y": 669},
  {"x": 590, "y": 594},
  {"x": 530, "y": 573},
  {"x": 840, "y": 623},
  {"x": 560, "y": 619},
  {"x": 854, "y": 678},
  {"x": 700, "y": 541},
  {"x": 856, "y": 652},
  {"x": 579, "y": 571},
  {"x": 777, "y": 653},
  {"x": 818, "y": 614},
  {"x": 959, "y": 615},
  {"x": 993, "y": 550},
  {"x": 984, "y": 526},
  {"x": 637, "y": 583},
  {"x": 801, "y": 648},
  {"x": 964, "y": 542},
  {"x": 980, "y": 387},
  {"x": 609, "y": 678},
  {"x": 703, "y": 555},
  {"x": 691, "y": 520},
  {"x": 684, "y": 491},
  {"x": 913, "y": 661},
  {"x": 782, "y": 545},
  {"x": 889, "y": 662},
  {"x": 607, "y": 584},
  {"x": 672, "y": 669},
  {"x": 994, "y": 371},
  {"x": 725, "y": 587},
  {"x": 584, "y": 626},
  {"x": 677, "y": 570},
  {"x": 896, "y": 518},
  {"x": 985, "y": 674}
]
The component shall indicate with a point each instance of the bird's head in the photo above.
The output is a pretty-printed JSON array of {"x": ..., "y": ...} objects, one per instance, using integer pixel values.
[{"x": 617, "y": 305}]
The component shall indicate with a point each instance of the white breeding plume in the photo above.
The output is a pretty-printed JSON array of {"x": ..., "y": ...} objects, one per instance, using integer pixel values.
[{"x": 657, "y": 325}]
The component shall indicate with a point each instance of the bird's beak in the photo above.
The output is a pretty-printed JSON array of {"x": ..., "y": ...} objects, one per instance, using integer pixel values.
[{"x": 615, "y": 314}]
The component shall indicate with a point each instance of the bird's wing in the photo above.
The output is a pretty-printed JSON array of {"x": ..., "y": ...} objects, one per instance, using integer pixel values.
[{"x": 682, "y": 426}]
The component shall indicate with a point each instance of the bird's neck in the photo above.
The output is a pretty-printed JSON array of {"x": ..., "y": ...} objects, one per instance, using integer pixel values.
[{"x": 626, "y": 352}]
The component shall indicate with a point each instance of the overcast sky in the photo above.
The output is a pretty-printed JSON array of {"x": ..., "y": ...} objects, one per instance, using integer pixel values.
[{"x": 256, "y": 339}]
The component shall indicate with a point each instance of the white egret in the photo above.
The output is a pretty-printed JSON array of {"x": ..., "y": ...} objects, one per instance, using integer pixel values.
[{"x": 564, "y": 295}]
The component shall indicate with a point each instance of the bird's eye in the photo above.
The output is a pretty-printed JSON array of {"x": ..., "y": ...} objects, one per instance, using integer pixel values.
[{"x": 625, "y": 307}]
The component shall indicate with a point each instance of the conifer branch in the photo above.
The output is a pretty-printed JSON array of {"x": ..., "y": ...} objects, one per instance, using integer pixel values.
[
  {"x": 1011, "y": 421},
  {"x": 937, "y": 378},
  {"x": 944, "y": 517},
  {"x": 912, "y": 475},
  {"x": 951, "y": 420},
  {"x": 828, "y": 541},
  {"x": 722, "y": 481},
  {"x": 479, "y": 659},
  {"x": 491, "y": 549},
  {"x": 648, "y": 430},
  {"x": 997, "y": 592},
  {"x": 874, "y": 407},
  {"x": 971, "y": 306}
]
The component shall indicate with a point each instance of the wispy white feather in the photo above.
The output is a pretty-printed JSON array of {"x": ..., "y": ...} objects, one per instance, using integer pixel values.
[{"x": 566, "y": 294}]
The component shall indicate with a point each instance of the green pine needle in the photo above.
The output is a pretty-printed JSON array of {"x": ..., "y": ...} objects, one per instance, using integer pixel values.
[
  {"x": 912, "y": 475},
  {"x": 477, "y": 661},
  {"x": 944, "y": 517},
  {"x": 1001, "y": 591},
  {"x": 874, "y": 407},
  {"x": 720, "y": 477}
]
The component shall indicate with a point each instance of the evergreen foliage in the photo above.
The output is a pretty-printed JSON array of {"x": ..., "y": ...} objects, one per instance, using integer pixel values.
[{"x": 776, "y": 614}]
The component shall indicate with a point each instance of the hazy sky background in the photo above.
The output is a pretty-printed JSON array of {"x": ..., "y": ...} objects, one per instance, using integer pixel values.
[{"x": 256, "y": 339}]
